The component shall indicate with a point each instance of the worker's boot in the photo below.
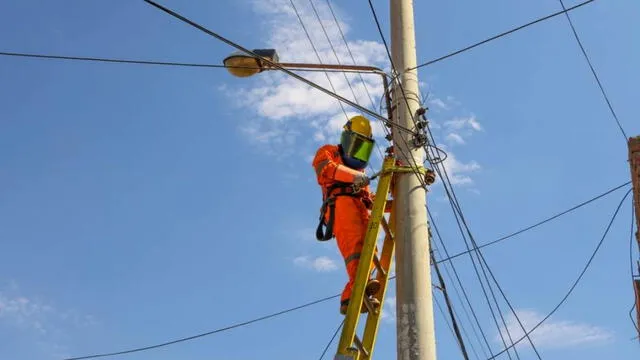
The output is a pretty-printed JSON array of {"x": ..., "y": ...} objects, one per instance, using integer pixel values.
[
  {"x": 373, "y": 286},
  {"x": 345, "y": 304}
]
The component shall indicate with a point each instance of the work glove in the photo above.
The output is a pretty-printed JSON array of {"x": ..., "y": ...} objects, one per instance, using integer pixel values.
[{"x": 361, "y": 180}]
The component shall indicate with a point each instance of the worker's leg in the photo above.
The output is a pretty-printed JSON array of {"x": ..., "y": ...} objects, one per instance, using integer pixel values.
[{"x": 350, "y": 228}]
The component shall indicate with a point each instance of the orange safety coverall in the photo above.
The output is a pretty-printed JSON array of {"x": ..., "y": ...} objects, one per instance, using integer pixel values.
[{"x": 351, "y": 213}]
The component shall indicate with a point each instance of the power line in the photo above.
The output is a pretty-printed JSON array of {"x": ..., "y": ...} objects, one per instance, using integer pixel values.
[
  {"x": 268, "y": 316},
  {"x": 466, "y": 313},
  {"x": 335, "y": 53},
  {"x": 593, "y": 71},
  {"x": 331, "y": 341},
  {"x": 457, "y": 211},
  {"x": 295, "y": 9},
  {"x": 346, "y": 43},
  {"x": 501, "y": 35},
  {"x": 575, "y": 283},
  {"x": 443, "y": 288},
  {"x": 206, "y": 333},
  {"x": 457, "y": 276},
  {"x": 277, "y": 66},
  {"x": 541, "y": 222},
  {"x": 324, "y": 30},
  {"x": 146, "y": 62}
]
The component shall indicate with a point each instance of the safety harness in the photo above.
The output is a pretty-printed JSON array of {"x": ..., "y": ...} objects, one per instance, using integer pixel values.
[{"x": 344, "y": 189}]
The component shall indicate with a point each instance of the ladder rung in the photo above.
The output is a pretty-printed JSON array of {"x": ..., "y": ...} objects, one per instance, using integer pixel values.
[
  {"x": 385, "y": 226},
  {"x": 360, "y": 346},
  {"x": 376, "y": 262}
]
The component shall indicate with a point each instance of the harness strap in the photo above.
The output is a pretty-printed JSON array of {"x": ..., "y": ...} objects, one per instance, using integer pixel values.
[{"x": 330, "y": 202}]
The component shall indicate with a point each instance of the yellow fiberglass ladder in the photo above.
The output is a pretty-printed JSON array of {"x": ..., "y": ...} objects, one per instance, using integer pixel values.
[{"x": 352, "y": 347}]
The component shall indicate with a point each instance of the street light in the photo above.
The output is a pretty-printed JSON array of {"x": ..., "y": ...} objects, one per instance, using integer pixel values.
[{"x": 241, "y": 64}]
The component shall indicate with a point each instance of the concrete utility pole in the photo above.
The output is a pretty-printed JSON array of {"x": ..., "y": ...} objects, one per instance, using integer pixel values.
[
  {"x": 414, "y": 303},
  {"x": 634, "y": 163}
]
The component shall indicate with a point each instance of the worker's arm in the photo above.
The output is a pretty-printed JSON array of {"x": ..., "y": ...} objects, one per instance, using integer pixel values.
[{"x": 326, "y": 167}]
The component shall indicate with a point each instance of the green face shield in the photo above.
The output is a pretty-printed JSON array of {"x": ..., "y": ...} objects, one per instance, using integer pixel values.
[{"x": 357, "y": 146}]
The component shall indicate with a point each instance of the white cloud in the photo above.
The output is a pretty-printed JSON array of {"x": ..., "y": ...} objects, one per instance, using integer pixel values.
[
  {"x": 459, "y": 171},
  {"x": 320, "y": 264},
  {"x": 554, "y": 333},
  {"x": 438, "y": 104},
  {"x": 458, "y": 123},
  {"x": 389, "y": 309},
  {"x": 455, "y": 139},
  {"x": 39, "y": 321}
]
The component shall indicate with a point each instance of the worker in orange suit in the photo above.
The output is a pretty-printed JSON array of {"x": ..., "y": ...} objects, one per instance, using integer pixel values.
[{"x": 347, "y": 198}]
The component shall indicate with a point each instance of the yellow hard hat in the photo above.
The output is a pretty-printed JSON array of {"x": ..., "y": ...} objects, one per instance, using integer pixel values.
[
  {"x": 359, "y": 124},
  {"x": 356, "y": 142}
]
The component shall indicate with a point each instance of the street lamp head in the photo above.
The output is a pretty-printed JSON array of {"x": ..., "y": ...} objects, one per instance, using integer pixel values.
[{"x": 241, "y": 64}]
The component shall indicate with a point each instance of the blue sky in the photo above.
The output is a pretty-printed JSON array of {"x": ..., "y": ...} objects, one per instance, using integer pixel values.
[{"x": 145, "y": 203}]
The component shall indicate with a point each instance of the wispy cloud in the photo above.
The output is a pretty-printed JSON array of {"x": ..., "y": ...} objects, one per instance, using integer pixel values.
[
  {"x": 320, "y": 264},
  {"x": 389, "y": 309},
  {"x": 454, "y": 138},
  {"x": 46, "y": 325},
  {"x": 555, "y": 333}
]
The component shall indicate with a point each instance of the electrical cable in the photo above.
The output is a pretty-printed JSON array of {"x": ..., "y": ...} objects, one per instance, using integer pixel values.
[
  {"x": 147, "y": 62},
  {"x": 541, "y": 222},
  {"x": 575, "y": 283},
  {"x": 333, "y": 49},
  {"x": 443, "y": 288},
  {"x": 315, "y": 50},
  {"x": 265, "y": 317},
  {"x": 331, "y": 341},
  {"x": 457, "y": 276},
  {"x": 344, "y": 39},
  {"x": 335, "y": 53},
  {"x": 593, "y": 71},
  {"x": 276, "y": 65},
  {"x": 468, "y": 317},
  {"x": 295, "y": 9},
  {"x": 237, "y": 325},
  {"x": 467, "y": 48},
  {"x": 457, "y": 211}
]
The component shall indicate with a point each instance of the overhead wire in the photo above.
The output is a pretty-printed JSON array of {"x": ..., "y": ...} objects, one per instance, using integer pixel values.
[
  {"x": 335, "y": 53},
  {"x": 219, "y": 330},
  {"x": 546, "y": 220},
  {"x": 467, "y": 48},
  {"x": 466, "y": 313},
  {"x": 593, "y": 71},
  {"x": 335, "y": 333},
  {"x": 304, "y": 28},
  {"x": 295, "y": 9},
  {"x": 275, "y": 65},
  {"x": 459, "y": 281},
  {"x": 447, "y": 320},
  {"x": 333, "y": 49},
  {"x": 445, "y": 294},
  {"x": 346, "y": 43},
  {"x": 261, "y": 318},
  {"x": 459, "y": 216},
  {"x": 151, "y": 62},
  {"x": 576, "y": 282}
]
